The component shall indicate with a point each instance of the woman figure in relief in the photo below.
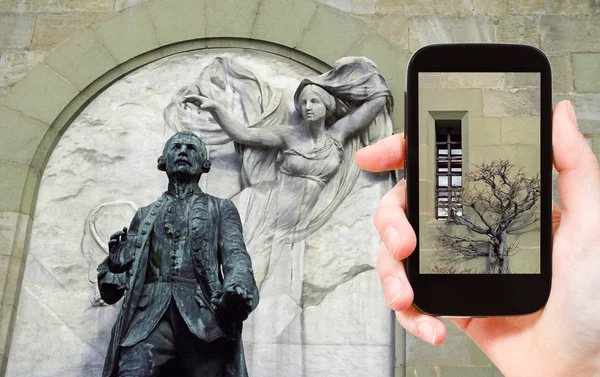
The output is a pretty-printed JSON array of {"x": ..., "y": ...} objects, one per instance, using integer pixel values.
[{"x": 279, "y": 209}]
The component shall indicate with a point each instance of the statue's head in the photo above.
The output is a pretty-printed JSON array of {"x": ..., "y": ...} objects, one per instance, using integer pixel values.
[
  {"x": 184, "y": 157},
  {"x": 314, "y": 103}
]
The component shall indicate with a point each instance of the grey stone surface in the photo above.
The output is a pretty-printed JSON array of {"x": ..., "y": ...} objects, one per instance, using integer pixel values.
[
  {"x": 437, "y": 29},
  {"x": 353, "y": 6},
  {"x": 53, "y": 29},
  {"x": 105, "y": 140},
  {"x": 453, "y": 352},
  {"x": 586, "y": 72},
  {"x": 16, "y": 29},
  {"x": 561, "y": 34}
]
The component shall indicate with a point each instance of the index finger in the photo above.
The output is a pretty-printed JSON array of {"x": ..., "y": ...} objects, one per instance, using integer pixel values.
[{"x": 386, "y": 154}]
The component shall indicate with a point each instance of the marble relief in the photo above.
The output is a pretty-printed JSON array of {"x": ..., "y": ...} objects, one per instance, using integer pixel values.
[{"x": 306, "y": 210}]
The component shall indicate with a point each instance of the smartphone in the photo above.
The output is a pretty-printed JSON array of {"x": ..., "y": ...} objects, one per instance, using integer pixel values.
[{"x": 478, "y": 173}]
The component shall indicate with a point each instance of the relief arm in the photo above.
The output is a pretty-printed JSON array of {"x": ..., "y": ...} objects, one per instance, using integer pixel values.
[
  {"x": 236, "y": 130},
  {"x": 358, "y": 120}
]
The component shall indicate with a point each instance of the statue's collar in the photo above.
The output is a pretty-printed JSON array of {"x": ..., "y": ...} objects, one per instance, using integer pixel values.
[{"x": 188, "y": 191}]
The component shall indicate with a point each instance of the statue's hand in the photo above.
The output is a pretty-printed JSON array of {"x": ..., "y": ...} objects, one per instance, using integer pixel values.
[
  {"x": 118, "y": 263},
  {"x": 201, "y": 102},
  {"x": 234, "y": 302}
]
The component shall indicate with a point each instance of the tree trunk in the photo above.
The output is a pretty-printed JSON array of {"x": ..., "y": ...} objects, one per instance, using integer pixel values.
[{"x": 504, "y": 257}]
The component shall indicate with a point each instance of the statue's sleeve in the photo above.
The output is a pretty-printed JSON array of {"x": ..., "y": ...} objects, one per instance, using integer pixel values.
[
  {"x": 112, "y": 285},
  {"x": 236, "y": 262}
]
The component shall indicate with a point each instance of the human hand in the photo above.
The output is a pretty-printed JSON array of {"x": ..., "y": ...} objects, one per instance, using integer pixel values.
[
  {"x": 562, "y": 339},
  {"x": 201, "y": 102},
  {"x": 233, "y": 302},
  {"x": 115, "y": 249}
]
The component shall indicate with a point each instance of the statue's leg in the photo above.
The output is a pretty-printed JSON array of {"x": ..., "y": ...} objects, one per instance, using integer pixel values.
[
  {"x": 148, "y": 357},
  {"x": 198, "y": 358}
]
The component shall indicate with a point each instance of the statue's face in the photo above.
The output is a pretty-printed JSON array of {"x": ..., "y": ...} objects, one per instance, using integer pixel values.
[
  {"x": 312, "y": 107},
  {"x": 184, "y": 156}
]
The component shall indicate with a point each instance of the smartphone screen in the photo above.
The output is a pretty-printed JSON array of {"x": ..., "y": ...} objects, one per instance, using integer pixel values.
[{"x": 479, "y": 172}]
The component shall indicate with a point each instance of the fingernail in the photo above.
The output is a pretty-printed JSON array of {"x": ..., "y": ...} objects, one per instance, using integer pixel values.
[
  {"x": 571, "y": 112},
  {"x": 427, "y": 331},
  {"x": 392, "y": 287},
  {"x": 391, "y": 239}
]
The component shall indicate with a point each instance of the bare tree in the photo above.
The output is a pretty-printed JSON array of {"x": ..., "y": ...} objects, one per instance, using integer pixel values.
[{"x": 494, "y": 205}]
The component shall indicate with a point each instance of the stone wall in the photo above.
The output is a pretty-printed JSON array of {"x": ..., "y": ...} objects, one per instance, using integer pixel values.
[{"x": 52, "y": 62}]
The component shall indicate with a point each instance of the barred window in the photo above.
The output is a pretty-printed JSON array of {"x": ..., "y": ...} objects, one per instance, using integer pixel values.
[{"x": 448, "y": 160}]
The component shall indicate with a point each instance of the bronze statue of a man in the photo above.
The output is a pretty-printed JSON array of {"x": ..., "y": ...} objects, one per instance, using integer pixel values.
[{"x": 185, "y": 275}]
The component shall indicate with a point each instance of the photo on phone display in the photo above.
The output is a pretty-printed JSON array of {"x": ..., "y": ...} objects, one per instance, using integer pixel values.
[{"x": 479, "y": 172}]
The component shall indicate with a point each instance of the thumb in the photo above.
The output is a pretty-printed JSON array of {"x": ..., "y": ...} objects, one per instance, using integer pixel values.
[{"x": 578, "y": 174}]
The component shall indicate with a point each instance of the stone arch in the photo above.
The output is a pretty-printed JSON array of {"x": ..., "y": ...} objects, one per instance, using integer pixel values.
[{"x": 40, "y": 107}]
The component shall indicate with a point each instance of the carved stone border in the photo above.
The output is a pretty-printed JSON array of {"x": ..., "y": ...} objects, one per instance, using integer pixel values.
[{"x": 40, "y": 107}]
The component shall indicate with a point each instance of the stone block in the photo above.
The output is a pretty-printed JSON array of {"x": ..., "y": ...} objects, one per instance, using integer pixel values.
[
  {"x": 458, "y": 371},
  {"x": 560, "y": 34},
  {"x": 16, "y": 29},
  {"x": 8, "y": 232},
  {"x": 331, "y": 34},
  {"x": 271, "y": 26},
  {"x": 486, "y": 154},
  {"x": 484, "y": 131},
  {"x": 476, "y": 356},
  {"x": 596, "y": 145},
  {"x": 392, "y": 27},
  {"x": 586, "y": 72},
  {"x": 4, "y": 266},
  {"x": 462, "y": 8},
  {"x": 353, "y": 6},
  {"x": 438, "y": 29},
  {"x": 422, "y": 371},
  {"x": 525, "y": 80},
  {"x": 53, "y": 29},
  {"x": 16, "y": 63},
  {"x": 182, "y": 22},
  {"x": 12, "y": 287},
  {"x": 124, "y": 4},
  {"x": 7, "y": 317},
  {"x": 128, "y": 33},
  {"x": 56, "y": 6},
  {"x": 30, "y": 191},
  {"x": 81, "y": 59},
  {"x": 512, "y": 102},
  {"x": 528, "y": 6},
  {"x": 405, "y": 6},
  {"x": 52, "y": 93},
  {"x": 399, "y": 343},
  {"x": 20, "y": 136},
  {"x": 14, "y": 230},
  {"x": 475, "y": 80},
  {"x": 562, "y": 72},
  {"x": 528, "y": 158},
  {"x": 430, "y": 80},
  {"x": 230, "y": 18},
  {"x": 11, "y": 185},
  {"x": 526, "y": 261},
  {"x": 587, "y": 110},
  {"x": 450, "y": 100},
  {"x": 391, "y": 62},
  {"x": 453, "y": 351},
  {"x": 523, "y": 130},
  {"x": 517, "y": 29}
]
